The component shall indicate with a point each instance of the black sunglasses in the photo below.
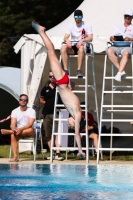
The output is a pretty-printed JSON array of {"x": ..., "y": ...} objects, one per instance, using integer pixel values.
[
  {"x": 51, "y": 76},
  {"x": 127, "y": 16},
  {"x": 25, "y": 100}
]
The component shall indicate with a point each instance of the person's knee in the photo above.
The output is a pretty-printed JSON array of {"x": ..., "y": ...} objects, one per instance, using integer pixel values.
[
  {"x": 63, "y": 49},
  {"x": 125, "y": 54},
  {"x": 31, "y": 130},
  {"x": 81, "y": 49},
  {"x": 12, "y": 136},
  {"x": 110, "y": 51},
  {"x": 93, "y": 136},
  {"x": 48, "y": 139}
]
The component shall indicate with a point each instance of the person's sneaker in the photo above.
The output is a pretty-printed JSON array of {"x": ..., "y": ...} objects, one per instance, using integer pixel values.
[
  {"x": 118, "y": 77},
  {"x": 48, "y": 158},
  {"x": 81, "y": 155},
  {"x": 123, "y": 73},
  {"x": 79, "y": 73},
  {"x": 95, "y": 152},
  {"x": 66, "y": 71},
  {"x": 58, "y": 157}
]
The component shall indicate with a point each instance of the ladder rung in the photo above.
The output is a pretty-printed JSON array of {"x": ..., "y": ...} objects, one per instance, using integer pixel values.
[
  {"x": 73, "y": 56},
  {"x": 69, "y": 134},
  {"x": 115, "y": 134},
  {"x": 59, "y": 105},
  {"x": 126, "y": 77},
  {"x": 76, "y": 77},
  {"x": 78, "y": 91},
  {"x": 122, "y": 86},
  {"x": 93, "y": 110},
  {"x": 116, "y": 149},
  {"x": 117, "y": 120},
  {"x": 124, "y": 91},
  {"x": 68, "y": 148},
  {"x": 118, "y": 106},
  {"x": 86, "y": 54},
  {"x": 57, "y": 119},
  {"x": 119, "y": 110},
  {"x": 84, "y": 85}
]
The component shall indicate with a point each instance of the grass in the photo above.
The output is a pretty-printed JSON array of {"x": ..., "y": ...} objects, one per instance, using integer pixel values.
[
  {"x": 4, "y": 153},
  {"x": 120, "y": 156}
]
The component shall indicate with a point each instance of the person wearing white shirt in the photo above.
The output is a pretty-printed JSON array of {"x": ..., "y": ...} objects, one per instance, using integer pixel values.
[
  {"x": 125, "y": 30},
  {"x": 80, "y": 32},
  {"x": 22, "y": 120}
]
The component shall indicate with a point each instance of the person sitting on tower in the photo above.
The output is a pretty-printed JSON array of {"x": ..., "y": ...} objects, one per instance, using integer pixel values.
[
  {"x": 126, "y": 31},
  {"x": 80, "y": 32}
]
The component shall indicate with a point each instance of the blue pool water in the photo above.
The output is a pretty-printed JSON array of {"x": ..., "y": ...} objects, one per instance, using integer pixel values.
[{"x": 76, "y": 182}]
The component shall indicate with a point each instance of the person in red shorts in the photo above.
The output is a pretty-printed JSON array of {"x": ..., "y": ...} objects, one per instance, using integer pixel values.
[{"x": 69, "y": 99}]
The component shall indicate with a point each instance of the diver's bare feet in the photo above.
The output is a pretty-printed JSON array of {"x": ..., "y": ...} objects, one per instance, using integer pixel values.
[
  {"x": 6, "y": 132},
  {"x": 38, "y": 27}
]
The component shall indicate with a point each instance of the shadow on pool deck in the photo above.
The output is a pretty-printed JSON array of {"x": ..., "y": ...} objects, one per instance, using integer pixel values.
[{"x": 66, "y": 162}]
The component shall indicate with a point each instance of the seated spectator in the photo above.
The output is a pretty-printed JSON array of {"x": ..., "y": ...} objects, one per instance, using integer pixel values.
[
  {"x": 80, "y": 32},
  {"x": 22, "y": 120},
  {"x": 92, "y": 127},
  {"x": 125, "y": 30}
]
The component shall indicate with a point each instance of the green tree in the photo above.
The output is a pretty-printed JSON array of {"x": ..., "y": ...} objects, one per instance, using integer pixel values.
[{"x": 16, "y": 17}]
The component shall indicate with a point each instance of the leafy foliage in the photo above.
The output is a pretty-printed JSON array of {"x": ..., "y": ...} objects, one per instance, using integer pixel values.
[{"x": 16, "y": 17}]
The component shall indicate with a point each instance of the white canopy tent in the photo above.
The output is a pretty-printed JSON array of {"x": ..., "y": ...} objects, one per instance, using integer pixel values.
[
  {"x": 10, "y": 80},
  {"x": 9, "y": 92},
  {"x": 103, "y": 15}
]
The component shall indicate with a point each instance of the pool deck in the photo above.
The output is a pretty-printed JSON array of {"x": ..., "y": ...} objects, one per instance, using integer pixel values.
[{"x": 65, "y": 162}]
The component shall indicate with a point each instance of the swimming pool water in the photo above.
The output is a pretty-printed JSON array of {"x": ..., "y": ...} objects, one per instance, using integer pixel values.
[{"x": 76, "y": 182}]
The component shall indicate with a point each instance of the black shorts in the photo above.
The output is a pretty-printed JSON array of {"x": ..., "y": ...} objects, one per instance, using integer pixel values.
[
  {"x": 48, "y": 125},
  {"x": 93, "y": 131},
  {"x": 75, "y": 49},
  {"x": 82, "y": 124}
]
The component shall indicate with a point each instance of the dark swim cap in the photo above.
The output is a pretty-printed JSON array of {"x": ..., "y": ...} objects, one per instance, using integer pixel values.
[{"x": 78, "y": 13}]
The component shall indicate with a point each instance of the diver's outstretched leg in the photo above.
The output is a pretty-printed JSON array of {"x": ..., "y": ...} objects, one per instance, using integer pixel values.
[
  {"x": 38, "y": 27},
  {"x": 49, "y": 45},
  {"x": 77, "y": 134},
  {"x": 54, "y": 62}
]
